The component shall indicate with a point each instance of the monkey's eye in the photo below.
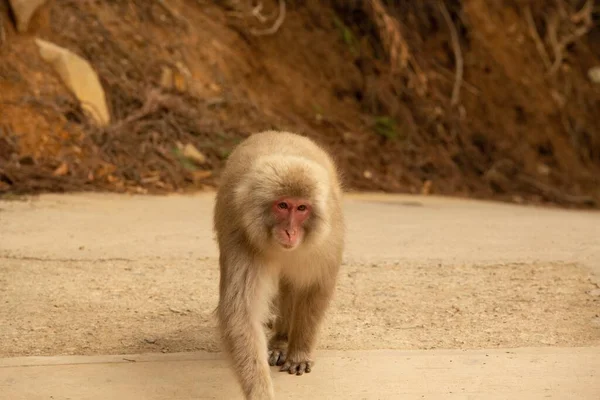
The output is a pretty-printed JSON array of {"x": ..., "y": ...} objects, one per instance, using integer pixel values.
[
  {"x": 282, "y": 205},
  {"x": 302, "y": 207}
]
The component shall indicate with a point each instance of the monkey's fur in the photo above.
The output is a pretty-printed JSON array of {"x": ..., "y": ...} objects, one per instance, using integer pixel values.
[{"x": 287, "y": 253}]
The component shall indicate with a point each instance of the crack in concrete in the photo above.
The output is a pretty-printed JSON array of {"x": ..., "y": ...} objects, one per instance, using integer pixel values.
[
  {"x": 42, "y": 259},
  {"x": 97, "y": 260}
]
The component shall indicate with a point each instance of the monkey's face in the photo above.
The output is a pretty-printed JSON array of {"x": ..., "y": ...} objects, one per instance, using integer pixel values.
[{"x": 290, "y": 216}]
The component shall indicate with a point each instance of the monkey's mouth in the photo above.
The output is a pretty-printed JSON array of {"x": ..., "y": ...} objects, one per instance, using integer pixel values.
[
  {"x": 286, "y": 246},
  {"x": 285, "y": 240}
]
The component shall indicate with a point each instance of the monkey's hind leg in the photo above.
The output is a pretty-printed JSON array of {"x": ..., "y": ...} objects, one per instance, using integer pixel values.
[
  {"x": 279, "y": 341},
  {"x": 309, "y": 308}
]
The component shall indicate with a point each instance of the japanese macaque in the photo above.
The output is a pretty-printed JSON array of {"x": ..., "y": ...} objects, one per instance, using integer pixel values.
[{"x": 280, "y": 230}]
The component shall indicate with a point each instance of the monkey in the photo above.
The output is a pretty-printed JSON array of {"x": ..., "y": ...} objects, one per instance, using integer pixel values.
[{"x": 280, "y": 231}]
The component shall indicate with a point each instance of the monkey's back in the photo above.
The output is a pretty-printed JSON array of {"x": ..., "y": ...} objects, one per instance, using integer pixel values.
[{"x": 280, "y": 143}]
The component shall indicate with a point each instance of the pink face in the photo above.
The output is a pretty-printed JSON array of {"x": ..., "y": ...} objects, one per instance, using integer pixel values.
[{"x": 290, "y": 214}]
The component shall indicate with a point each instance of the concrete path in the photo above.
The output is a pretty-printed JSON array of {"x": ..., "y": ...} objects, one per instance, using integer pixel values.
[
  {"x": 439, "y": 374},
  {"x": 466, "y": 267}
]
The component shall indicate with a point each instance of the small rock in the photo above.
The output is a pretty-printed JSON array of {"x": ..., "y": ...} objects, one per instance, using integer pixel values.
[
  {"x": 462, "y": 112},
  {"x": 426, "y": 189},
  {"x": 594, "y": 74},
  {"x": 543, "y": 169},
  {"x": 62, "y": 170},
  {"x": 214, "y": 87},
  {"x": 595, "y": 292},
  {"x": 23, "y": 10},
  {"x": 166, "y": 78},
  {"x": 182, "y": 77},
  {"x": 80, "y": 78},
  {"x": 558, "y": 98},
  {"x": 596, "y": 322},
  {"x": 368, "y": 174},
  {"x": 150, "y": 340},
  {"x": 178, "y": 79}
]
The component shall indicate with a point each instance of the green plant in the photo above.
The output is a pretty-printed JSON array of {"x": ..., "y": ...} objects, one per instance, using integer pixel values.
[
  {"x": 185, "y": 162},
  {"x": 347, "y": 35},
  {"x": 386, "y": 126}
]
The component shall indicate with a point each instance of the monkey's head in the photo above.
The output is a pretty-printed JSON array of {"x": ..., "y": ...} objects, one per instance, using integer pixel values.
[{"x": 283, "y": 202}]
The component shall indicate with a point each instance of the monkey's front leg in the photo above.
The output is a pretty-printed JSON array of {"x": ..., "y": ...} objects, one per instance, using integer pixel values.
[
  {"x": 309, "y": 308},
  {"x": 242, "y": 299},
  {"x": 278, "y": 344}
]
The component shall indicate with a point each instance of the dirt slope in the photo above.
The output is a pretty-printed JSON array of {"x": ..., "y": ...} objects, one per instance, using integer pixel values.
[{"x": 374, "y": 81}]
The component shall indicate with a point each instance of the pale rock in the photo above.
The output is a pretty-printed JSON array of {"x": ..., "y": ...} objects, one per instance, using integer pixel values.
[
  {"x": 190, "y": 152},
  {"x": 23, "y": 11},
  {"x": 594, "y": 74},
  {"x": 166, "y": 78},
  {"x": 179, "y": 79},
  {"x": 61, "y": 170},
  {"x": 182, "y": 78},
  {"x": 79, "y": 76},
  {"x": 426, "y": 188},
  {"x": 543, "y": 169}
]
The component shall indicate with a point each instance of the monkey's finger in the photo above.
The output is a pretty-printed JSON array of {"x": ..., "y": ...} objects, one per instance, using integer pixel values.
[
  {"x": 308, "y": 367},
  {"x": 281, "y": 358},
  {"x": 301, "y": 368},
  {"x": 286, "y": 366},
  {"x": 273, "y": 357}
]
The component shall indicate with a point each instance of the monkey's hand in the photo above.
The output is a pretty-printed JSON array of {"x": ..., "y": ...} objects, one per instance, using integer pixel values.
[
  {"x": 277, "y": 351},
  {"x": 297, "y": 364}
]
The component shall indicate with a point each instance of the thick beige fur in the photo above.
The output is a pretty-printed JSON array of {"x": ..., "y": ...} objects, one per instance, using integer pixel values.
[{"x": 256, "y": 273}]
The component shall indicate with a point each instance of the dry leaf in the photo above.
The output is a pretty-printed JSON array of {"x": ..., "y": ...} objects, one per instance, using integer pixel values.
[
  {"x": 198, "y": 176},
  {"x": 192, "y": 153}
]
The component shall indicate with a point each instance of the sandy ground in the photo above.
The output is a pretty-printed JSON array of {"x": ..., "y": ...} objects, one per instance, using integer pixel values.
[{"x": 108, "y": 274}]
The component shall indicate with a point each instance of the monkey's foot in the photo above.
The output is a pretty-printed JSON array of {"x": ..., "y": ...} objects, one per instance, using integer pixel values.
[
  {"x": 295, "y": 365},
  {"x": 277, "y": 356}
]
